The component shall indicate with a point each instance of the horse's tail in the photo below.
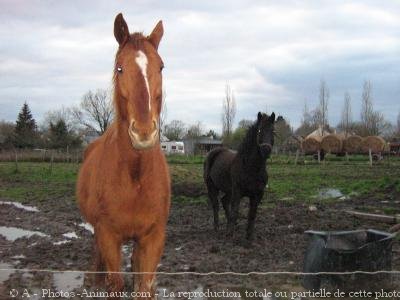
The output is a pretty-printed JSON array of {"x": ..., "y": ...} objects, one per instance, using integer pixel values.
[{"x": 208, "y": 163}]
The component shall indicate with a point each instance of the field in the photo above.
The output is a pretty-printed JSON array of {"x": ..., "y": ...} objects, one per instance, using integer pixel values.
[{"x": 298, "y": 198}]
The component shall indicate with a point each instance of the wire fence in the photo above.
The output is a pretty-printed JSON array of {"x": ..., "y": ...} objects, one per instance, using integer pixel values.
[{"x": 212, "y": 273}]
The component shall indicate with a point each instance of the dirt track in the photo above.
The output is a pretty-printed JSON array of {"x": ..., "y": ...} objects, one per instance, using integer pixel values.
[{"x": 192, "y": 245}]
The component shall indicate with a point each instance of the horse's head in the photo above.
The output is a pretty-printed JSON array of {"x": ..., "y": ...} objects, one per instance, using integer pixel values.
[
  {"x": 138, "y": 82},
  {"x": 265, "y": 133}
]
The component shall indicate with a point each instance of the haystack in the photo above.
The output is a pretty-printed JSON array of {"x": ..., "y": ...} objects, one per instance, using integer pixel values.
[
  {"x": 375, "y": 143},
  {"x": 352, "y": 144},
  {"x": 332, "y": 143},
  {"x": 312, "y": 142}
]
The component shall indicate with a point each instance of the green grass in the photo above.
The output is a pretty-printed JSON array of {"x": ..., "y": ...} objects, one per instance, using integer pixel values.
[
  {"x": 184, "y": 159},
  {"x": 287, "y": 182},
  {"x": 37, "y": 181}
]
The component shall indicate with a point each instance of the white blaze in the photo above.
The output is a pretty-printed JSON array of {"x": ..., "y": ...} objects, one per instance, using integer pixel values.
[{"x": 142, "y": 61}]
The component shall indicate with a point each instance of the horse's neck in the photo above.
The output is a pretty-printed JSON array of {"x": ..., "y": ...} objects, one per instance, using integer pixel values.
[
  {"x": 125, "y": 150},
  {"x": 250, "y": 154},
  {"x": 253, "y": 160}
]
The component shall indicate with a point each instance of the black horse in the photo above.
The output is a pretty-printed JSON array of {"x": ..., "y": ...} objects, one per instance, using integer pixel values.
[{"x": 241, "y": 174}]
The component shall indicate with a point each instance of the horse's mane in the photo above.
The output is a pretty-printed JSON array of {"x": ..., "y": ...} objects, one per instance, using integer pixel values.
[{"x": 248, "y": 140}]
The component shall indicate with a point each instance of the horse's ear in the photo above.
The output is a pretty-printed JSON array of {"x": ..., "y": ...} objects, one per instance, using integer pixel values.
[
  {"x": 259, "y": 116},
  {"x": 272, "y": 117},
  {"x": 156, "y": 35},
  {"x": 121, "y": 31}
]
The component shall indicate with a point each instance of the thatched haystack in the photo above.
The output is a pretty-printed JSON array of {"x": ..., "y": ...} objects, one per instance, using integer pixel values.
[
  {"x": 375, "y": 143},
  {"x": 312, "y": 142},
  {"x": 352, "y": 144},
  {"x": 332, "y": 143}
]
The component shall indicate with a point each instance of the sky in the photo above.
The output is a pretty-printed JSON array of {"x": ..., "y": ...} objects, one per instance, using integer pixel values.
[{"x": 273, "y": 54}]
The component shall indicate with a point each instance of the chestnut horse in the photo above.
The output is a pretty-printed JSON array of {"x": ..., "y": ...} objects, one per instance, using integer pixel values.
[{"x": 123, "y": 187}]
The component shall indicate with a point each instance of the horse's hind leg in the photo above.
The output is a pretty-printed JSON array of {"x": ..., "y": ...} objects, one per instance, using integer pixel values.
[
  {"x": 226, "y": 205},
  {"x": 109, "y": 245},
  {"x": 213, "y": 197}
]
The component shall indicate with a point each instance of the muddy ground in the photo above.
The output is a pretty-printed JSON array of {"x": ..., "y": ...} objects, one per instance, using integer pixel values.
[{"x": 192, "y": 245}]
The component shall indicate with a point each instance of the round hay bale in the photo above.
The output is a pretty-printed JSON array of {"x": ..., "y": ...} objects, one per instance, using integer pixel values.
[
  {"x": 352, "y": 144},
  {"x": 375, "y": 143},
  {"x": 332, "y": 143},
  {"x": 311, "y": 144}
]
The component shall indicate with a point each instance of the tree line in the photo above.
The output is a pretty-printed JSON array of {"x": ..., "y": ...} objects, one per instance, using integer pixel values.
[
  {"x": 70, "y": 127},
  {"x": 62, "y": 128}
]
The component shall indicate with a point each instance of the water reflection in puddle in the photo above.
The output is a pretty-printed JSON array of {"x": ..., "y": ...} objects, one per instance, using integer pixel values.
[
  {"x": 330, "y": 193},
  {"x": 5, "y": 274},
  {"x": 14, "y": 233},
  {"x": 68, "y": 281},
  {"x": 20, "y": 206}
]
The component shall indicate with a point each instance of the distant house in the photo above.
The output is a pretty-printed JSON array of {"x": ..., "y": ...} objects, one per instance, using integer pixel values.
[{"x": 201, "y": 145}]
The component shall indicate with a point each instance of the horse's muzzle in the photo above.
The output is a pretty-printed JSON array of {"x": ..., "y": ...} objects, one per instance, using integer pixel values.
[
  {"x": 265, "y": 148},
  {"x": 141, "y": 141}
]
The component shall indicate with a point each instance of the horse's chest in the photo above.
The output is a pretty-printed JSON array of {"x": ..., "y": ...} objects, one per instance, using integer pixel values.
[{"x": 253, "y": 183}]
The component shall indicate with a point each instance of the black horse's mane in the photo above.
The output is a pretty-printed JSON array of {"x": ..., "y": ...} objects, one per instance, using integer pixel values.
[{"x": 248, "y": 141}]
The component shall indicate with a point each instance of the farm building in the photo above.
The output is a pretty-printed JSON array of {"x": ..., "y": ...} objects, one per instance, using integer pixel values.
[
  {"x": 173, "y": 147},
  {"x": 395, "y": 148},
  {"x": 201, "y": 145}
]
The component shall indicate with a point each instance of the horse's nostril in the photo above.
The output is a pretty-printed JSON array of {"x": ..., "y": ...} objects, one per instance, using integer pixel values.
[{"x": 133, "y": 126}]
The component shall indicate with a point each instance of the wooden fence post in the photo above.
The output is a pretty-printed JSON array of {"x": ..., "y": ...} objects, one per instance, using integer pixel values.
[
  {"x": 319, "y": 156},
  {"x": 297, "y": 157},
  {"x": 370, "y": 157},
  {"x": 51, "y": 161}
]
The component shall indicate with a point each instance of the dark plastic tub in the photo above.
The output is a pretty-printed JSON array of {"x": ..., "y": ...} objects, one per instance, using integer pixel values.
[{"x": 347, "y": 251}]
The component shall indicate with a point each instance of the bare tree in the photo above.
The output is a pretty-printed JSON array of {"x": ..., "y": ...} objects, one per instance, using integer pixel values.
[
  {"x": 6, "y": 134},
  {"x": 228, "y": 112},
  {"x": 175, "y": 130},
  {"x": 346, "y": 121},
  {"x": 195, "y": 131},
  {"x": 398, "y": 124},
  {"x": 96, "y": 111},
  {"x": 322, "y": 111},
  {"x": 307, "y": 124},
  {"x": 63, "y": 114},
  {"x": 367, "y": 110},
  {"x": 372, "y": 122}
]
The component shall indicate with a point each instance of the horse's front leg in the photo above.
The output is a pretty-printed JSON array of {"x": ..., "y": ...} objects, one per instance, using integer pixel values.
[
  {"x": 234, "y": 211},
  {"x": 109, "y": 246},
  {"x": 254, "y": 202},
  {"x": 146, "y": 259}
]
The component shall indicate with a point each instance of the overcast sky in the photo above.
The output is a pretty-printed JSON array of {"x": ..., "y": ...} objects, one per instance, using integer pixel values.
[{"x": 272, "y": 55}]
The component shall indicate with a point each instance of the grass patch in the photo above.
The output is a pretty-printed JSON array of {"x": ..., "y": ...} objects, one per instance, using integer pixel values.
[{"x": 287, "y": 182}]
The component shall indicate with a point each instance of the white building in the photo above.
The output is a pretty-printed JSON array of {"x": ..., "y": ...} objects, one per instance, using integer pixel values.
[{"x": 173, "y": 147}]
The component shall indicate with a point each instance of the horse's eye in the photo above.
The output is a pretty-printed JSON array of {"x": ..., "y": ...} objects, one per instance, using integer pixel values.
[{"x": 119, "y": 69}]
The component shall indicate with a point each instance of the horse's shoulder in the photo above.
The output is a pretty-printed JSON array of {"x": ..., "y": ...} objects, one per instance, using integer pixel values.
[{"x": 107, "y": 137}]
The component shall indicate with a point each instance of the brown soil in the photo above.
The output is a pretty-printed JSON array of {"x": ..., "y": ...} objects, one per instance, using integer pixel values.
[{"x": 192, "y": 244}]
